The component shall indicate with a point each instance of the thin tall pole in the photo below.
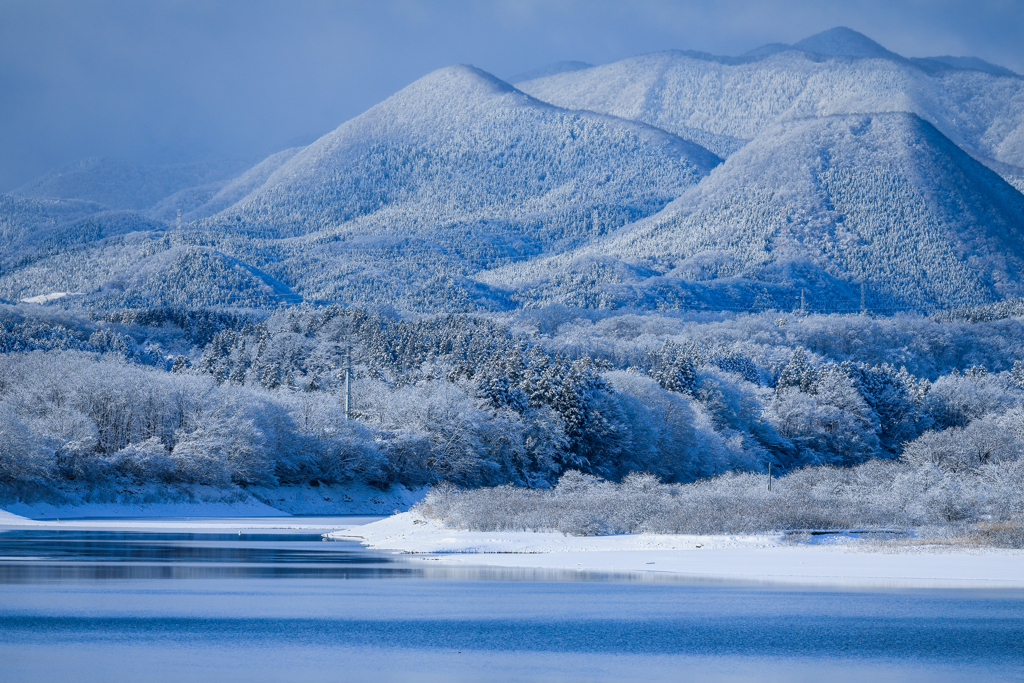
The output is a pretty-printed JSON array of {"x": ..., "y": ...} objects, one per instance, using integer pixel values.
[
  {"x": 348, "y": 381},
  {"x": 769, "y": 476}
]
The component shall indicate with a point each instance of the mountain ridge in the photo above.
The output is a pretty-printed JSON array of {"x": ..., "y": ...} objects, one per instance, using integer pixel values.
[
  {"x": 593, "y": 186},
  {"x": 723, "y": 105}
]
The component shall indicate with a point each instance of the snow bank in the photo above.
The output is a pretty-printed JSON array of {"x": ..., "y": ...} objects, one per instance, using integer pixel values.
[
  {"x": 338, "y": 499},
  {"x": 182, "y": 524},
  {"x": 10, "y": 518},
  {"x": 760, "y": 559},
  {"x": 204, "y": 501},
  {"x": 42, "y": 510}
]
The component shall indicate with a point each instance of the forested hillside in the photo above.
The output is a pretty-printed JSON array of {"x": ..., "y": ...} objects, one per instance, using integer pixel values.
[
  {"x": 179, "y": 395},
  {"x": 821, "y": 204}
]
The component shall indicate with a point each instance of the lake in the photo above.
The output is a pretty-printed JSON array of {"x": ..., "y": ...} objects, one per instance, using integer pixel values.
[{"x": 278, "y": 605}]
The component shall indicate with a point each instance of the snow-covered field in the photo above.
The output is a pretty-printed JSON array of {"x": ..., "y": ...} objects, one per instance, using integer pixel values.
[{"x": 762, "y": 559}]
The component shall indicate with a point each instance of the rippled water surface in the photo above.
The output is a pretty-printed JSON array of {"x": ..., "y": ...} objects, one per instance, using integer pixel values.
[{"x": 286, "y": 605}]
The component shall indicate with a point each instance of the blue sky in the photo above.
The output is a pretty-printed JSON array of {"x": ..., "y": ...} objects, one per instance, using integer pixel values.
[{"x": 178, "y": 80}]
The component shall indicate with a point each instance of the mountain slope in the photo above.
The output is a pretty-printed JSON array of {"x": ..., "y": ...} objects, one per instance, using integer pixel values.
[
  {"x": 457, "y": 172},
  {"x": 34, "y": 229},
  {"x": 195, "y": 276},
  {"x": 460, "y": 145},
  {"x": 882, "y": 199},
  {"x": 722, "y": 103},
  {"x": 238, "y": 188}
]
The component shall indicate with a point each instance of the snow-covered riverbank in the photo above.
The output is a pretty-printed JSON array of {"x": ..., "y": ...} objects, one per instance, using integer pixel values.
[
  {"x": 205, "y": 501},
  {"x": 763, "y": 559},
  {"x": 177, "y": 524}
]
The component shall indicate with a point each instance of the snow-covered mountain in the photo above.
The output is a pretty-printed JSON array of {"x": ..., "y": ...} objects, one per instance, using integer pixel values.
[
  {"x": 457, "y": 172},
  {"x": 848, "y": 168},
  {"x": 461, "y": 146},
  {"x": 725, "y": 102},
  {"x": 880, "y": 199}
]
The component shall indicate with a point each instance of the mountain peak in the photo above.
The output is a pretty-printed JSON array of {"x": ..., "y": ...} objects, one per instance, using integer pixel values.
[
  {"x": 463, "y": 78},
  {"x": 843, "y": 42}
]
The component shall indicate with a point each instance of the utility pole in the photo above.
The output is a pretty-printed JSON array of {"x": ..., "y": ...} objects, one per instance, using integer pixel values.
[
  {"x": 863, "y": 301},
  {"x": 348, "y": 380},
  {"x": 769, "y": 476}
]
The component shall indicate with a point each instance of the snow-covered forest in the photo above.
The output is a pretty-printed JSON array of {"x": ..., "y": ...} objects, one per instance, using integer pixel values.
[{"x": 180, "y": 396}]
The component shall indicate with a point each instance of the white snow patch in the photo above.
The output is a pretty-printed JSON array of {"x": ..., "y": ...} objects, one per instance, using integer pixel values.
[
  {"x": 761, "y": 559},
  {"x": 11, "y": 518},
  {"x": 52, "y": 296}
]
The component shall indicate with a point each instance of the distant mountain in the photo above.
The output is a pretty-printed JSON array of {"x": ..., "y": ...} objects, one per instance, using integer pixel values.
[
  {"x": 238, "y": 188},
  {"x": 722, "y": 104},
  {"x": 123, "y": 185},
  {"x": 457, "y": 172},
  {"x": 844, "y": 42},
  {"x": 824, "y": 204},
  {"x": 22, "y": 218},
  {"x": 964, "y": 63}
]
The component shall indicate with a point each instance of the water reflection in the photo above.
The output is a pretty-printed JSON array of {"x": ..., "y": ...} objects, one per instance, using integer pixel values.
[
  {"x": 268, "y": 605},
  {"x": 46, "y": 555},
  {"x": 72, "y": 555}
]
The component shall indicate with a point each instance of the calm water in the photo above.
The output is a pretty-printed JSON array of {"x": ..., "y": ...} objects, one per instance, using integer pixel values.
[{"x": 287, "y": 606}]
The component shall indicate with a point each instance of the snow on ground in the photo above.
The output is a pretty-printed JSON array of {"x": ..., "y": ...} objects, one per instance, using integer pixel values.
[
  {"x": 52, "y": 296},
  {"x": 11, "y": 518},
  {"x": 761, "y": 559},
  {"x": 199, "y": 501}
]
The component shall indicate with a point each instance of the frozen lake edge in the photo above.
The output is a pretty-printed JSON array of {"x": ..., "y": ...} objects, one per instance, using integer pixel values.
[{"x": 746, "y": 559}]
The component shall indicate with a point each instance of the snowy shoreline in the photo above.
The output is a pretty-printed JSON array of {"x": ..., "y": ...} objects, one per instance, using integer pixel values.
[
  {"x": 760, "y": 559},
  {"x": 205, "y": 501}
]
